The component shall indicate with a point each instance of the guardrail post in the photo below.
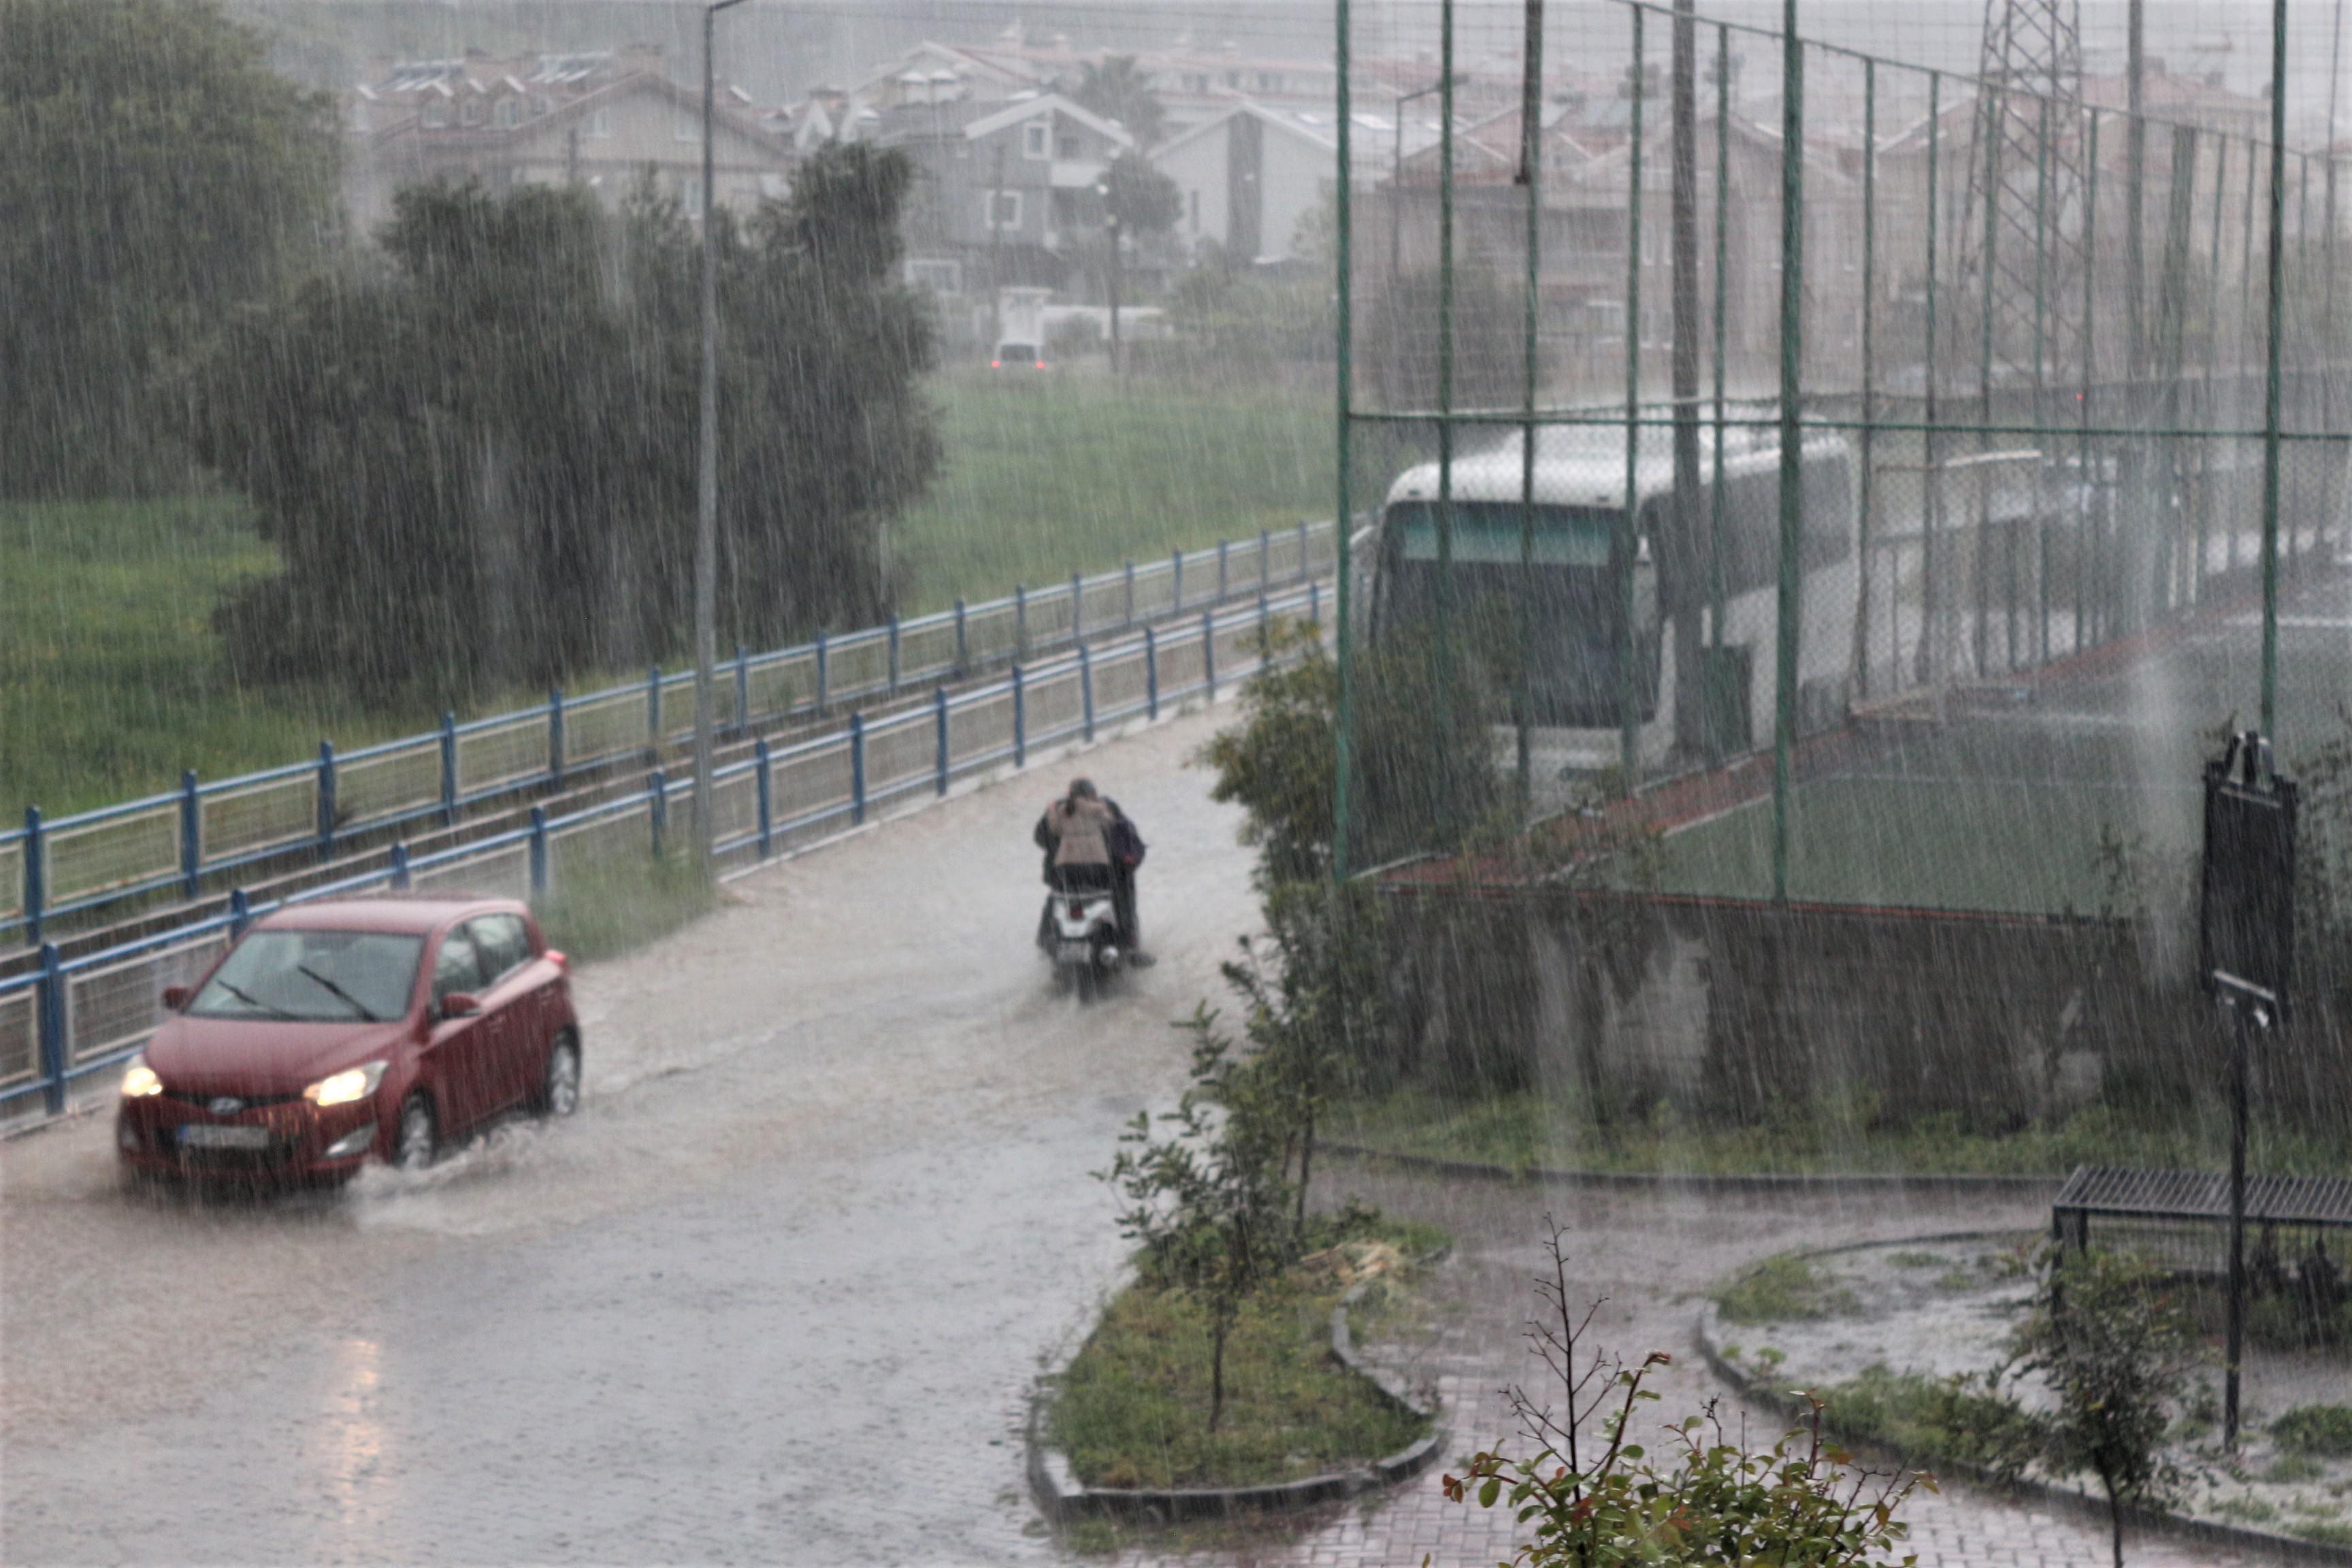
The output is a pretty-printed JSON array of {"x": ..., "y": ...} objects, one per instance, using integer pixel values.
[
  {"x": 1303, "y": 571},
  {"x": 964, "y": 641},
  {"x": 1020, "y": 621},
  {"x": 1225, "y": 584},
  {"x": 1151, "y": 673},
  {"x": 325, "y": 800},
  {"x": 35, "y": 880},
  {"x": 1176, "y": 583},
  {"x": 1209, "y": 652},
  {"x": 1130, "y": 596},
  {"x": 767, "y": 793},
  {"x": 1265, "y": 627},
  {"x": 555, "y": 735},
  {"x": 538, "y": 852},
  {"x": 1086, "y": 693},
  {"x": 743, "y": 690},
  {"x": 1314, "y": 604},
  {"x": 240, "y": 906},
  {"x": 399, "y": 868},
  {"x": 857, "y": 769},
  {"x": 191, "y": 835},
  {"x": 657, "y": 805},
  {"x": 448, "y": 768},
  {"x": 54, "y": 1050},
  {"x": 894, "y": 653},
  {"x": 939, "y": 719},
  {"x": 822, "y": 671},
  {"x": 653, "y": 713},
  {"x": 1078, "y": 605},
  {"x": 1020, "y": 722},
  {"x": 1265, "y": 559}
]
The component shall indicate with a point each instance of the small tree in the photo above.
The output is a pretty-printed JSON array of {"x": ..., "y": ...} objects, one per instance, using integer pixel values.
[
  {"x": 2115, "y": 1348},
  {"x": 1209, "y": 1204},
  {"x": 1117, "y": 89},
  {"x": 1144, "y": 201},
  {"x": 1596, "y": 1498}
]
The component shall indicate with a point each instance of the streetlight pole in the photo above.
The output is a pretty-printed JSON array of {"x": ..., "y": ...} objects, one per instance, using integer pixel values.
[{"x": 706, "y": 484}]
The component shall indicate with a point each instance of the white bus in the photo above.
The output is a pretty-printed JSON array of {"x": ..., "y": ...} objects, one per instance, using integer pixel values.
[{"x": 1578, "y": 581}]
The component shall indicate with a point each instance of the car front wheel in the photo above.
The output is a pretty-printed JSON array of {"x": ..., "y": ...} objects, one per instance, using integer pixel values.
[
  {"x": 559, "y": 1093},
  {"x": 420, "y": 1136}
]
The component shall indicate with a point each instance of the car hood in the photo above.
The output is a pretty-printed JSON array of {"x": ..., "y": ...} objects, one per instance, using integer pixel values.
[{"x": 251, "y": 1056}]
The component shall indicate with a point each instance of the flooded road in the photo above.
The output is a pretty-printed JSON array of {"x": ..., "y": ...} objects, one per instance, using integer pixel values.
[{"x": 777, "y": 1292}]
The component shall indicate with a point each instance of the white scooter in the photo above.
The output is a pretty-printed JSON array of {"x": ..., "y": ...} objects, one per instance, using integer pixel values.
[{"x": 1079, "y": 932}]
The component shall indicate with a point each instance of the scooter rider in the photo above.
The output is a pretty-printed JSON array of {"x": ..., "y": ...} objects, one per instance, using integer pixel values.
[{"x": 1090, "y": 843}]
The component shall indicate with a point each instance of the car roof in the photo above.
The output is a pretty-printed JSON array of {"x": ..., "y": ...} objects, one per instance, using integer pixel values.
[{"x": 418, "y": 914}]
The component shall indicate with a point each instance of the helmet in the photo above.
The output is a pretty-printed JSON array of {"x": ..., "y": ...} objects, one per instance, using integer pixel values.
[{"x": 1082, "y": 789}]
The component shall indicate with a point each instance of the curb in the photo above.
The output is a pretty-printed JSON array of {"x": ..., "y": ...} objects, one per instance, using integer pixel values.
[
  {"x": 1707, "y": 1181},
  {"x": 2178, "y": 1527},
  {"x": 1062, "y": 1496}
]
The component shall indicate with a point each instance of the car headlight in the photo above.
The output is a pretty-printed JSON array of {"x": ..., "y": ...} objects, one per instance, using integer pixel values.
[
  {"x": 139, "y": 1080},
  {"x": 344, "y": 1086}
]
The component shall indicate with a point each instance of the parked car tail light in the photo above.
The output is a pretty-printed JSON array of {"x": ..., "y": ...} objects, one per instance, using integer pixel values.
[
  {"x": 1077, "y": 910},
  {"x": 996, "y": 364}
]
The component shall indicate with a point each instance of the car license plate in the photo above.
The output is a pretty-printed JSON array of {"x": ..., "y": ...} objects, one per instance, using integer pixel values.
[{"x": 202, "y": 1135}]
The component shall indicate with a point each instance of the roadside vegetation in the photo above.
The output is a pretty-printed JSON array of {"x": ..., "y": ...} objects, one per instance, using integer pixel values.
[{"x": 602, "y": 908}]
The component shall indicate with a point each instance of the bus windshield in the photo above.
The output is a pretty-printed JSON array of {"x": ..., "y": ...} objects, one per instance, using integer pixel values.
[{"x": 1488, "y": 533}]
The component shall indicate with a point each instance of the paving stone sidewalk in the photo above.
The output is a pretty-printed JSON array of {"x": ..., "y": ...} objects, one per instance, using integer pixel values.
[{"x": 1649, "y": 1254}]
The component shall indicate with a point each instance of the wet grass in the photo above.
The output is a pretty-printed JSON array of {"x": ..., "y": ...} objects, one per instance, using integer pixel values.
[
  {"x": 1133, "y": 1408},
  {"x": 603, "y": 908},
  {"x": 1785, "y": 1289},
  {"x": 1068, "y": 471},
  {"x": 1523, "y": 1132}
]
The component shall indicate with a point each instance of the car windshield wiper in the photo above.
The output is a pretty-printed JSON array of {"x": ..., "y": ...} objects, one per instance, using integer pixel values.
[
  {"x": 354, "y": 1003},
  {"x": 250, "y": 1000}
]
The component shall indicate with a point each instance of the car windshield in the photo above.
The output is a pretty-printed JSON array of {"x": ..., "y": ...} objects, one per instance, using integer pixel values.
[{"x": 313, "y": 976}]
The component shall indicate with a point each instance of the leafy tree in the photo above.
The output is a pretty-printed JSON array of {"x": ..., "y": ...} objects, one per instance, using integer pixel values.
[
  {"x": 156, "y": 174},
  {"x": 2116, "y": 1347},
  {"x": 1144, "y": 201},
  {"x": 477, "y": 459},
  {"x": 1592, "y": 1495},
  {"x": 1117, "y": 89}
]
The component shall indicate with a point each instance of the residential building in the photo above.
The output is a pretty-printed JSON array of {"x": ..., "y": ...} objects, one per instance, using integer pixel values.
[{"x": 1251, "y": 175}]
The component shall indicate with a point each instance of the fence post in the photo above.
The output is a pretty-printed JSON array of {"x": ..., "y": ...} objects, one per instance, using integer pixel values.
[
  {"x": 54, "y": 1047},
  {"x": 1078, "y": 605},
  {"x": 1020, "y": 621},
  {"x": 821, "y": 672},
  {"x": 1209, "y": 652},
  {"x": 240, "y": 906},
  {"x": 1222, "y": 584},
  {"x": 743, "y": 690},
  {"x": 35, "y": 880},
  {"x": 658, "y": 789},
  {"x": 325, "y": 800},
  {"x": 767, "y": 793},
  {"x": 538, "y": 852},
  {"x": 653, "y": 713},
  {"x": 894, "y": 653},
  {"x": 191, "y": 835},
  {"x": 399, "y": 873},
  {"x": 1314, "y": 604},
  {"x": 1131, "y": 594},
  {"x": 857, "y": 769},
  {"x": 448, "y": 768},
  {"x": 1303, "y": 571},
  {"x": 1176, "y": 583},
  {"x": 1151, "y": 673},
  {"x": 963, "y": 642},
  {"x": 555, "y": 735},
  {"x": 1020, "y": 722},
  {"x": 1264, "y": 628},
  {"x": 940, "y": 718},
  {"x": 1086, "y": 693},
  {"x": 1265, "y": 559}
]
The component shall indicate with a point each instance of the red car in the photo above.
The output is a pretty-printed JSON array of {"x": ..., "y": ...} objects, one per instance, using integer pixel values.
[{"x": 330, "y": 1032}]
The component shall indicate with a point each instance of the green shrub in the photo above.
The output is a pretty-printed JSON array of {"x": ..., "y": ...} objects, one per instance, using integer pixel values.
[
  {"x": 606, "y": 907},
  {"x": 1959, "y": 1423},
  {"x": 2324, "y": 1431},
  {"x": 1786, "y": 1288}
]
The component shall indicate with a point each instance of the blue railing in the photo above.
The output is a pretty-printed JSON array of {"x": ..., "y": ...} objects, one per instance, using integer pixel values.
[
  {"x": 71, "y": 1017},
  {"x": 201, "y": 834}
]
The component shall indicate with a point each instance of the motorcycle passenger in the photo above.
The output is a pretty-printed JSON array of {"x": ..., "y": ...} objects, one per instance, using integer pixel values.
[{"x": 1090, "y": 844}]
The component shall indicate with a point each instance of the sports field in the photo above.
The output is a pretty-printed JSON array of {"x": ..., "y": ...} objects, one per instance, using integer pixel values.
[{"x": 2078, "y": 793}]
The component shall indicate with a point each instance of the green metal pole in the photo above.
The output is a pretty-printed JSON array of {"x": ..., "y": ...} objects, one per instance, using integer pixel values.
[
  {"x": 1722, "y": 268},
  {"x": 1792, "y": 324},
  {"x": 1445, "y": 348},
  {"x": 1981, "y": 566},
  {"x": 2245, "y": 305},
  {"x": 2271, "y": 370},
  {"x": 1923, "y": 668},
  {"x": 2205, "y": 507},
  {"x": 1343, "y": 518},
  {"x": 2088, "y": 554},
  {"x": 2040, "y": 325},
  {"x": 1869, "y": 367},
  {"x": 2294, "y": 520},
  {"x": 1629, "y": 705},
  {"x": 1531, "y": 176}
]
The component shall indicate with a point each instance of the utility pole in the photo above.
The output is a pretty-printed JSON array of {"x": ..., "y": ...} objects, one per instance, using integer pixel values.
[
  {"x": 996, "y": 250},
  {"x": 1678, "y": 562},
  {"x": 1111, "y": 223},
  {"x": 706, "y": 487}
]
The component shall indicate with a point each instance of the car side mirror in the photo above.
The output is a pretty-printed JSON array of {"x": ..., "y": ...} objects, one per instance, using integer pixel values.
[
  {"x": 460, "y": 1005},
  {"x": 176, "y": 997}
]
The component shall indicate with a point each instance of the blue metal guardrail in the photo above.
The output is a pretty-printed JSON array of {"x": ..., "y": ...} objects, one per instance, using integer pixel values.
[
  {"x": 73, "y": 1017},
  {"x": 208, "y": 829}
]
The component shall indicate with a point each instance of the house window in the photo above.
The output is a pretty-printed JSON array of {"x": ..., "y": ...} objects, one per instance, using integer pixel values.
[
  {"x": 690, "y": 193},
  {"x": 507, "y": 113},
  {"x": 470, "y": 112},
  {"x": 436, "y": 114},
  {"x": 1269, "y": 81},
  {"x": 1065, "y": 147},
  {"x": 600, "y": 124},
  {"x": 1034, "y": 139},
  {"x": 1004, "y": 208},
  {"x": 685, "y": 126}
]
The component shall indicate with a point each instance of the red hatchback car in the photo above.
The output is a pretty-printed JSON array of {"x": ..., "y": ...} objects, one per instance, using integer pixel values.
[{"x": 333, "y": 1031}]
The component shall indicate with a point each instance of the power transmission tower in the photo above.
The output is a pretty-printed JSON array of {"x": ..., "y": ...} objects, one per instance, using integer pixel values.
[{"x": 2022, "y": 231}]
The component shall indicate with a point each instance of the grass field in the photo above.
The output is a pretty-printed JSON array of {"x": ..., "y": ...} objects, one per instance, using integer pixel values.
[{"x": 112, "y": 681}]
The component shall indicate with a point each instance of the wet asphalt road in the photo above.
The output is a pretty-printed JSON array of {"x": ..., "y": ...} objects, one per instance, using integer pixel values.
[{"x": 777, "y": 1292}]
